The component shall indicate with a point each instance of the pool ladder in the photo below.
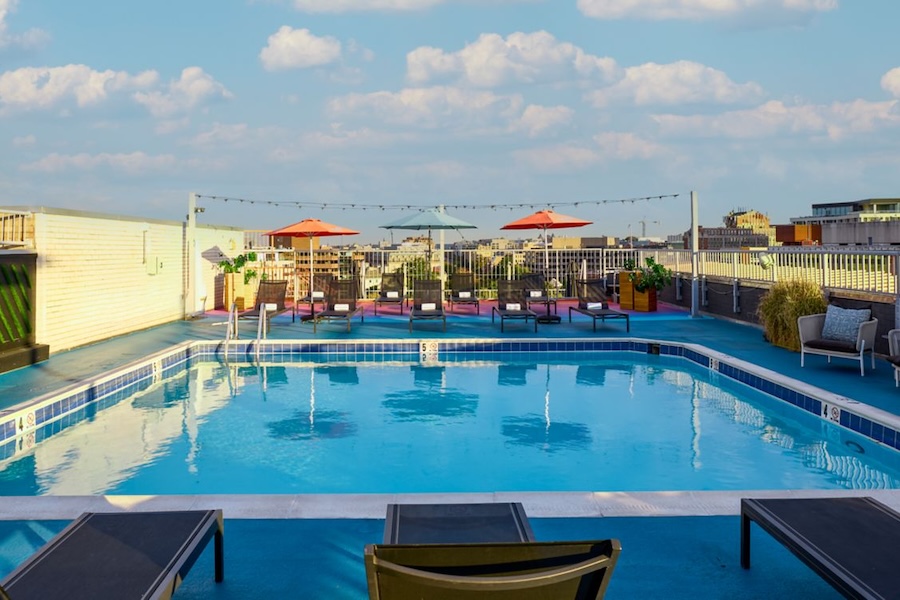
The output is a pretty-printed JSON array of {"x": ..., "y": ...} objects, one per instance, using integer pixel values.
[{"x": 231, "y": 328}]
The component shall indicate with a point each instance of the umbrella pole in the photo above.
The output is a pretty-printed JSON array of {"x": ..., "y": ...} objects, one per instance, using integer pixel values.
[
  {"x": 312, "y": 301},
  {"x": 548, "y": 318}
]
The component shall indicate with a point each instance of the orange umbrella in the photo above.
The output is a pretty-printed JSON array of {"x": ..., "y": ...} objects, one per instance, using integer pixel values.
[
  {"x": 544, "y": 220},
  {"x": 310, "y": 228}
]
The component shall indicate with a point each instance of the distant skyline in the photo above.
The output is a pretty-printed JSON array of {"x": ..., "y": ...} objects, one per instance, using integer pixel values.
[{"x": 126, "y": 108}]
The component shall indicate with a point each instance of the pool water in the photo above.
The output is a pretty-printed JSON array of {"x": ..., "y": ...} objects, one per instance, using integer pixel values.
[{"x": 552, "y": 422}]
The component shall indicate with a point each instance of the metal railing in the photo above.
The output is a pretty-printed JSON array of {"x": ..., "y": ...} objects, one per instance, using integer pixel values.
[{"x": 871, "y": 270}]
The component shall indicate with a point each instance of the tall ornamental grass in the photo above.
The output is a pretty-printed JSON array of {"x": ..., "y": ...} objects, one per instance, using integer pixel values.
[{"x": 782, "y": 304}]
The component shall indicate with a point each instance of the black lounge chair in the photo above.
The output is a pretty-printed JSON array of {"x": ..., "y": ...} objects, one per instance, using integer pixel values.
[
  {"x": 316, "y": 295},
  {"x": 428, "y": 302},
  {"x": 592, "y": 302},
  {"x": 340, "y": 304},
  {"x": 521, "y": 570},
  {"x": 119, "y": 555},
  {"x": 270, "y": 293},
  {"x": 462, "y": 290},
  {"x": 536, "y": 290},
  {"x": 391, "y": 291},
  {"x": 512, "y": 303},
  {"x": 851, "y": 543}
]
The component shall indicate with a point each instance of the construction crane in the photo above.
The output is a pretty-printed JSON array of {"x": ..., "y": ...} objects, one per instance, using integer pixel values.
[{"x": 643, "y": 223}]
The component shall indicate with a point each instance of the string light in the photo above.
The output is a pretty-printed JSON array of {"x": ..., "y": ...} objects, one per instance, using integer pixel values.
[{"x": 493, "y": 206}]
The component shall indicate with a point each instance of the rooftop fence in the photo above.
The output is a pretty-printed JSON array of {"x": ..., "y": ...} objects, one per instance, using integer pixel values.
[{"x": 870, "y": 270}]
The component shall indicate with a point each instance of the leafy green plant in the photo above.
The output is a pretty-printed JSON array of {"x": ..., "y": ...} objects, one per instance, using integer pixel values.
[
  {"x": 651, "y": 275},
  {"x": 780, "y": 307},
  {"x": 238, "y": 264},
  {"x": 629, "y": 264}
]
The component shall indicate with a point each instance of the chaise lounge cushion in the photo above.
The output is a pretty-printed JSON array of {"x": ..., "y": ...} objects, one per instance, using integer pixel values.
[{"x": 842, "y": 324}]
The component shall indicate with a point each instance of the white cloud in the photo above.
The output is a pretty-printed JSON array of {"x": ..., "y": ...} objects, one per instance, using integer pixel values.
[
  {"x": 290, "y": 48},
  {"x": 697, "y": 10},
  {"x": 46, "y": 87},
  {"x": 521, "y": 57},
  {"x": 431, "y": 107},
  {"x": 627, "y": 146},
  {"x": 340, "y": 6},
  {"x": 890, "y": 82},
  {"x": 535, "y": 119},
  {"x": 24, "y": 141},
  {"x": 774, "y": 118},
  {"x": 559, "y": 158},
  {"x": 32, "y": 38},
  {"x": 133, "y": 163},
  {"x": 193, "y": 88},
  {"x": 680, "y": 82}
]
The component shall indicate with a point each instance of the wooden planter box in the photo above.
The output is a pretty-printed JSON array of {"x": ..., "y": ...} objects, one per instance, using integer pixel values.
[
  {"x": 645, "y": 301},
  {"x": 626, "y": 290}
]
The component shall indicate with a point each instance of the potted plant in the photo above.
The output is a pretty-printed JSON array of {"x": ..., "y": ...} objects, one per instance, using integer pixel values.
[
  {"x": 647, "y": 281},
  {"x": 782, "y": 304},
  {"x": 237, "y": 280},
  {"x": 626, "y": 287}
]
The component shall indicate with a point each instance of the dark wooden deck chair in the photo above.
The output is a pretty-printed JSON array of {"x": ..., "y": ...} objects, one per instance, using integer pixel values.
[
  {"x": 592, "y": 301},
  {"x": 340, "y": 304},
  {"x": 119, "y": 555},
  {"x": 512, "y": 303},
  {"x": 391, "y": 290},
  {"x": 270, "y": 292},
  {"x": 523, "y": 570},
  {"x": 462, "y": 290},
  {"x": 428, "y": 302},
  {"x": 316, "y": 295},
  {"x": 536, "y": 291}
]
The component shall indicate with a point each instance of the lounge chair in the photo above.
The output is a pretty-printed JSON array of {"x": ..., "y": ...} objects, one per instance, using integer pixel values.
[
  {"x": 592, "y": 302},
  {"x": 894, "y": 357},
  {"x": 839, "y": 332},
  {"x": 119, "y": 555},
  {"x": 391, "y": 291},
  {"x": 340, "y": 304},
  {"x": 428, "y": 302},
  {"x": 851, "y": 543},
  {"x": 316, "y": 295},
  {"x": 269, "y": 292},
  {"x": 521, "y": 570},
  {"x": 462, "y": 290},
  {"x": 536, "y": 290},
  {"x": 512, "y": 303}
]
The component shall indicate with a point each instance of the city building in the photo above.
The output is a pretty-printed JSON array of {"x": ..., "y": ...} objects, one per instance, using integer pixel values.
[{"x": 867, "y": 222}]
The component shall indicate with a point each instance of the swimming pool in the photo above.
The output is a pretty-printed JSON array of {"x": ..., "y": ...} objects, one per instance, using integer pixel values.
[{"x": 339, "y": 422}]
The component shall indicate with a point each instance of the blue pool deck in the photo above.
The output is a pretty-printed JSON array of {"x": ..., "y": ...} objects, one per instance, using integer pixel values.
[{"x": 678, "y": 545}]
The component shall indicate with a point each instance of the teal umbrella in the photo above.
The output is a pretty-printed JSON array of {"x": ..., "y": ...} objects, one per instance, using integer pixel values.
[{"x": 430, "y": 219}]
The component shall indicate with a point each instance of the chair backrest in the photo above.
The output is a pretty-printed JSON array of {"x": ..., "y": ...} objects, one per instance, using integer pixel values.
[
  {"x": 510, "y": 291},
  {"x": 534, "y": 281},
  {"x": 342, "y": 294},
  {"x": 320, "y": 283},
  {"x": 392, "y": 282},
  {"x": 427, "y": 291},
  {"x": 529, "y": 570},
  {"x": 590, "y": 291},
  {"x": 462, "y": 282},
  {"x": 271, "y": 292}
]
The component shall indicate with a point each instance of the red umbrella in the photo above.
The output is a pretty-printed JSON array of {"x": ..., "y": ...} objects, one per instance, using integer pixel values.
[
  {"x": 544, "y": 220},
  {"x": 310, "y": 228}
]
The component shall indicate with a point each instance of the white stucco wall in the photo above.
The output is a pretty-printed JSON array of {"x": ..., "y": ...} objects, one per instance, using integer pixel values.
[{"x": 100, "y": 276}]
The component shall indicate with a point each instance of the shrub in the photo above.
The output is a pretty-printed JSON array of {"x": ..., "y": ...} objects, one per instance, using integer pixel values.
[{"x": 782, "y": 304}]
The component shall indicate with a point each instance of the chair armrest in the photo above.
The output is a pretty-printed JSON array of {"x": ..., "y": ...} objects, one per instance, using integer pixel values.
[
  {"x": 893, "y": 337},
  {"x": 866, "y": 336},
  {"x": 810, "y": 327}
]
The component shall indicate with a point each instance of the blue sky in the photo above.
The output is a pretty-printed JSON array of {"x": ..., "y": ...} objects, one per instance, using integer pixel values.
[{"x": 346, "y": 109}]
